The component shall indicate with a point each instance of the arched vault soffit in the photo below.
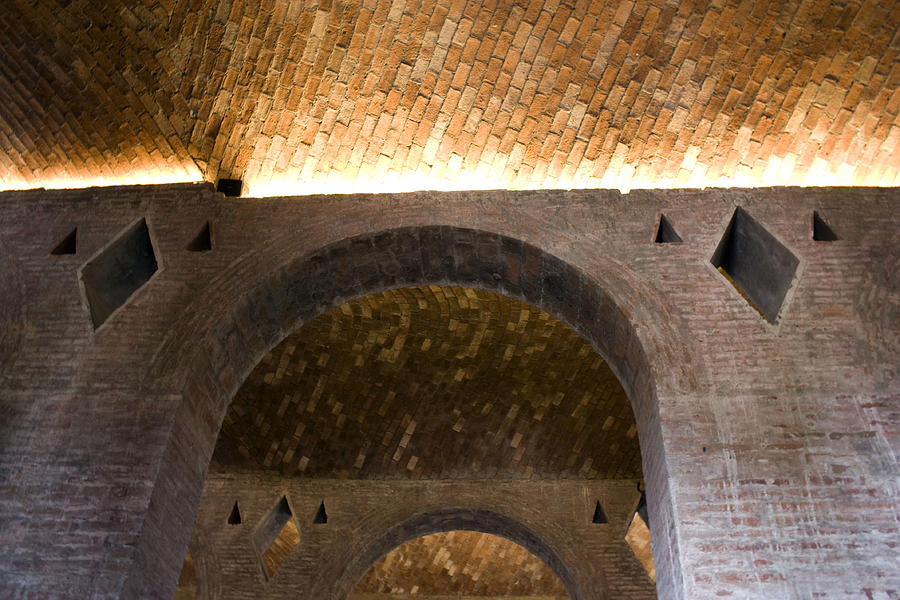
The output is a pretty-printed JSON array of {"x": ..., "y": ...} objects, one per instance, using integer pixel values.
[{"x": 436, "y": 382}]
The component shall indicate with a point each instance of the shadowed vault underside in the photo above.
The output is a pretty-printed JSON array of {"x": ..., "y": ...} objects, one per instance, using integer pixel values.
[
  {"x": 296, "y": 97},
  {"x": 432, "y": 382}
]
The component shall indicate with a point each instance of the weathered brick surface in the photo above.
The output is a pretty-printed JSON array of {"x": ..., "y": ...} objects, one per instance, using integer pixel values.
[
  {"x": 769, "y": 451},
  {"x": 382, "y": 94},
  {"x": 366, "y": 519}
]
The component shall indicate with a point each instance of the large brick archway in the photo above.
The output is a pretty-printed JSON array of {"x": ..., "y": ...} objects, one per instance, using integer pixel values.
[{"x": 216, "y": 361}]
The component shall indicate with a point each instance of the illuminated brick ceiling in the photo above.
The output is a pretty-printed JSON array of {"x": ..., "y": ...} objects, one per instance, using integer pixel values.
[
  {"x": 375, "y": 95},
  {"x": 459, "y": 564}
]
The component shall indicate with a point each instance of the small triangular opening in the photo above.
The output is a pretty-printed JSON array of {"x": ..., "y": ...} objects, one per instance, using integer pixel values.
[
  {"x": 67, "y": 245},
  {"x": 821, "y": 231},
  {"x": 203, "y": 242},
  {"x": 321, "y": 516},
  {"x": 599, "y": 515},
  {"x": 665, "y": 233},
  {"x": 235, "y": 517}
]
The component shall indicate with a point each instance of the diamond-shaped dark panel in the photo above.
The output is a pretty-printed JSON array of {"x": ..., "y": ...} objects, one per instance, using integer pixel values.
[
  {"x": 118, "y": 271},
  {"x": 760, "y": 266},
  {"x": 276, "y": 537}
]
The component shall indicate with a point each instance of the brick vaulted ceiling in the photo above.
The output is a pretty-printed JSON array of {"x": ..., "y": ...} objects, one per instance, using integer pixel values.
[
  {"x": 432, "y": 382},
  {"x": 459, "y": 564},
  {"x": 373, "y": 95}
]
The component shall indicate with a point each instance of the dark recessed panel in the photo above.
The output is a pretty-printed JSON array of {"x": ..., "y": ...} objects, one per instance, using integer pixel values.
[
  {"x": 760, "y": 266},
  {"x": 230, "y": 187},
  {"x": 117, "y": 272}
]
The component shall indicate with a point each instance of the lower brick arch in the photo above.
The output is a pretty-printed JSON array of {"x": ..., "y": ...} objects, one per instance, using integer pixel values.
[
  {"x": 453, "y": 519},
  {"x": 216, "y": 351}
]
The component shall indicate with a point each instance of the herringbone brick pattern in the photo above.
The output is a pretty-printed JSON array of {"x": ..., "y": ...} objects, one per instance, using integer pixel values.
[
  {"x": 460, "y": 563},
  {"x": 370, "y": 95},
  {"x": 436, "y": 382}
]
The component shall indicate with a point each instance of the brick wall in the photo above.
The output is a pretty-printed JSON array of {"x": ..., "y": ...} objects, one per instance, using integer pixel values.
[
  {"x": 366, "y": 519},
  {"x": 768, "y": 450}
]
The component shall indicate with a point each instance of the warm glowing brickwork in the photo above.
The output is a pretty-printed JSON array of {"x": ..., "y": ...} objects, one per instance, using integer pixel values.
[
  {"x": 638, "y": 538},
  {"x": 436, "y": 382},
  {"x": 380, "y": 95},
  {"x": 466, "y": 563}
]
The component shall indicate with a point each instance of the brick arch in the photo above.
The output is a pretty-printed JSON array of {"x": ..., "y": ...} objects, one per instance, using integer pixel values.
[
  {"x": 213, "y": 362},
  {"x": 453, "y": 519}
]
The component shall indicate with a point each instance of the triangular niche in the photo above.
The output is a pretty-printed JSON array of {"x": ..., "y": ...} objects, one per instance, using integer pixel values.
[
  {"x": 235, "y": 517},
  {"x": 202, "y": 242},
  {"x": 665, "y": 233},
  {"x": 67, "y": 245},
  {"x": 599, "y": 516},
  {"x": 321, "y": 516},
  {"x": 821, "y": 230}
]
